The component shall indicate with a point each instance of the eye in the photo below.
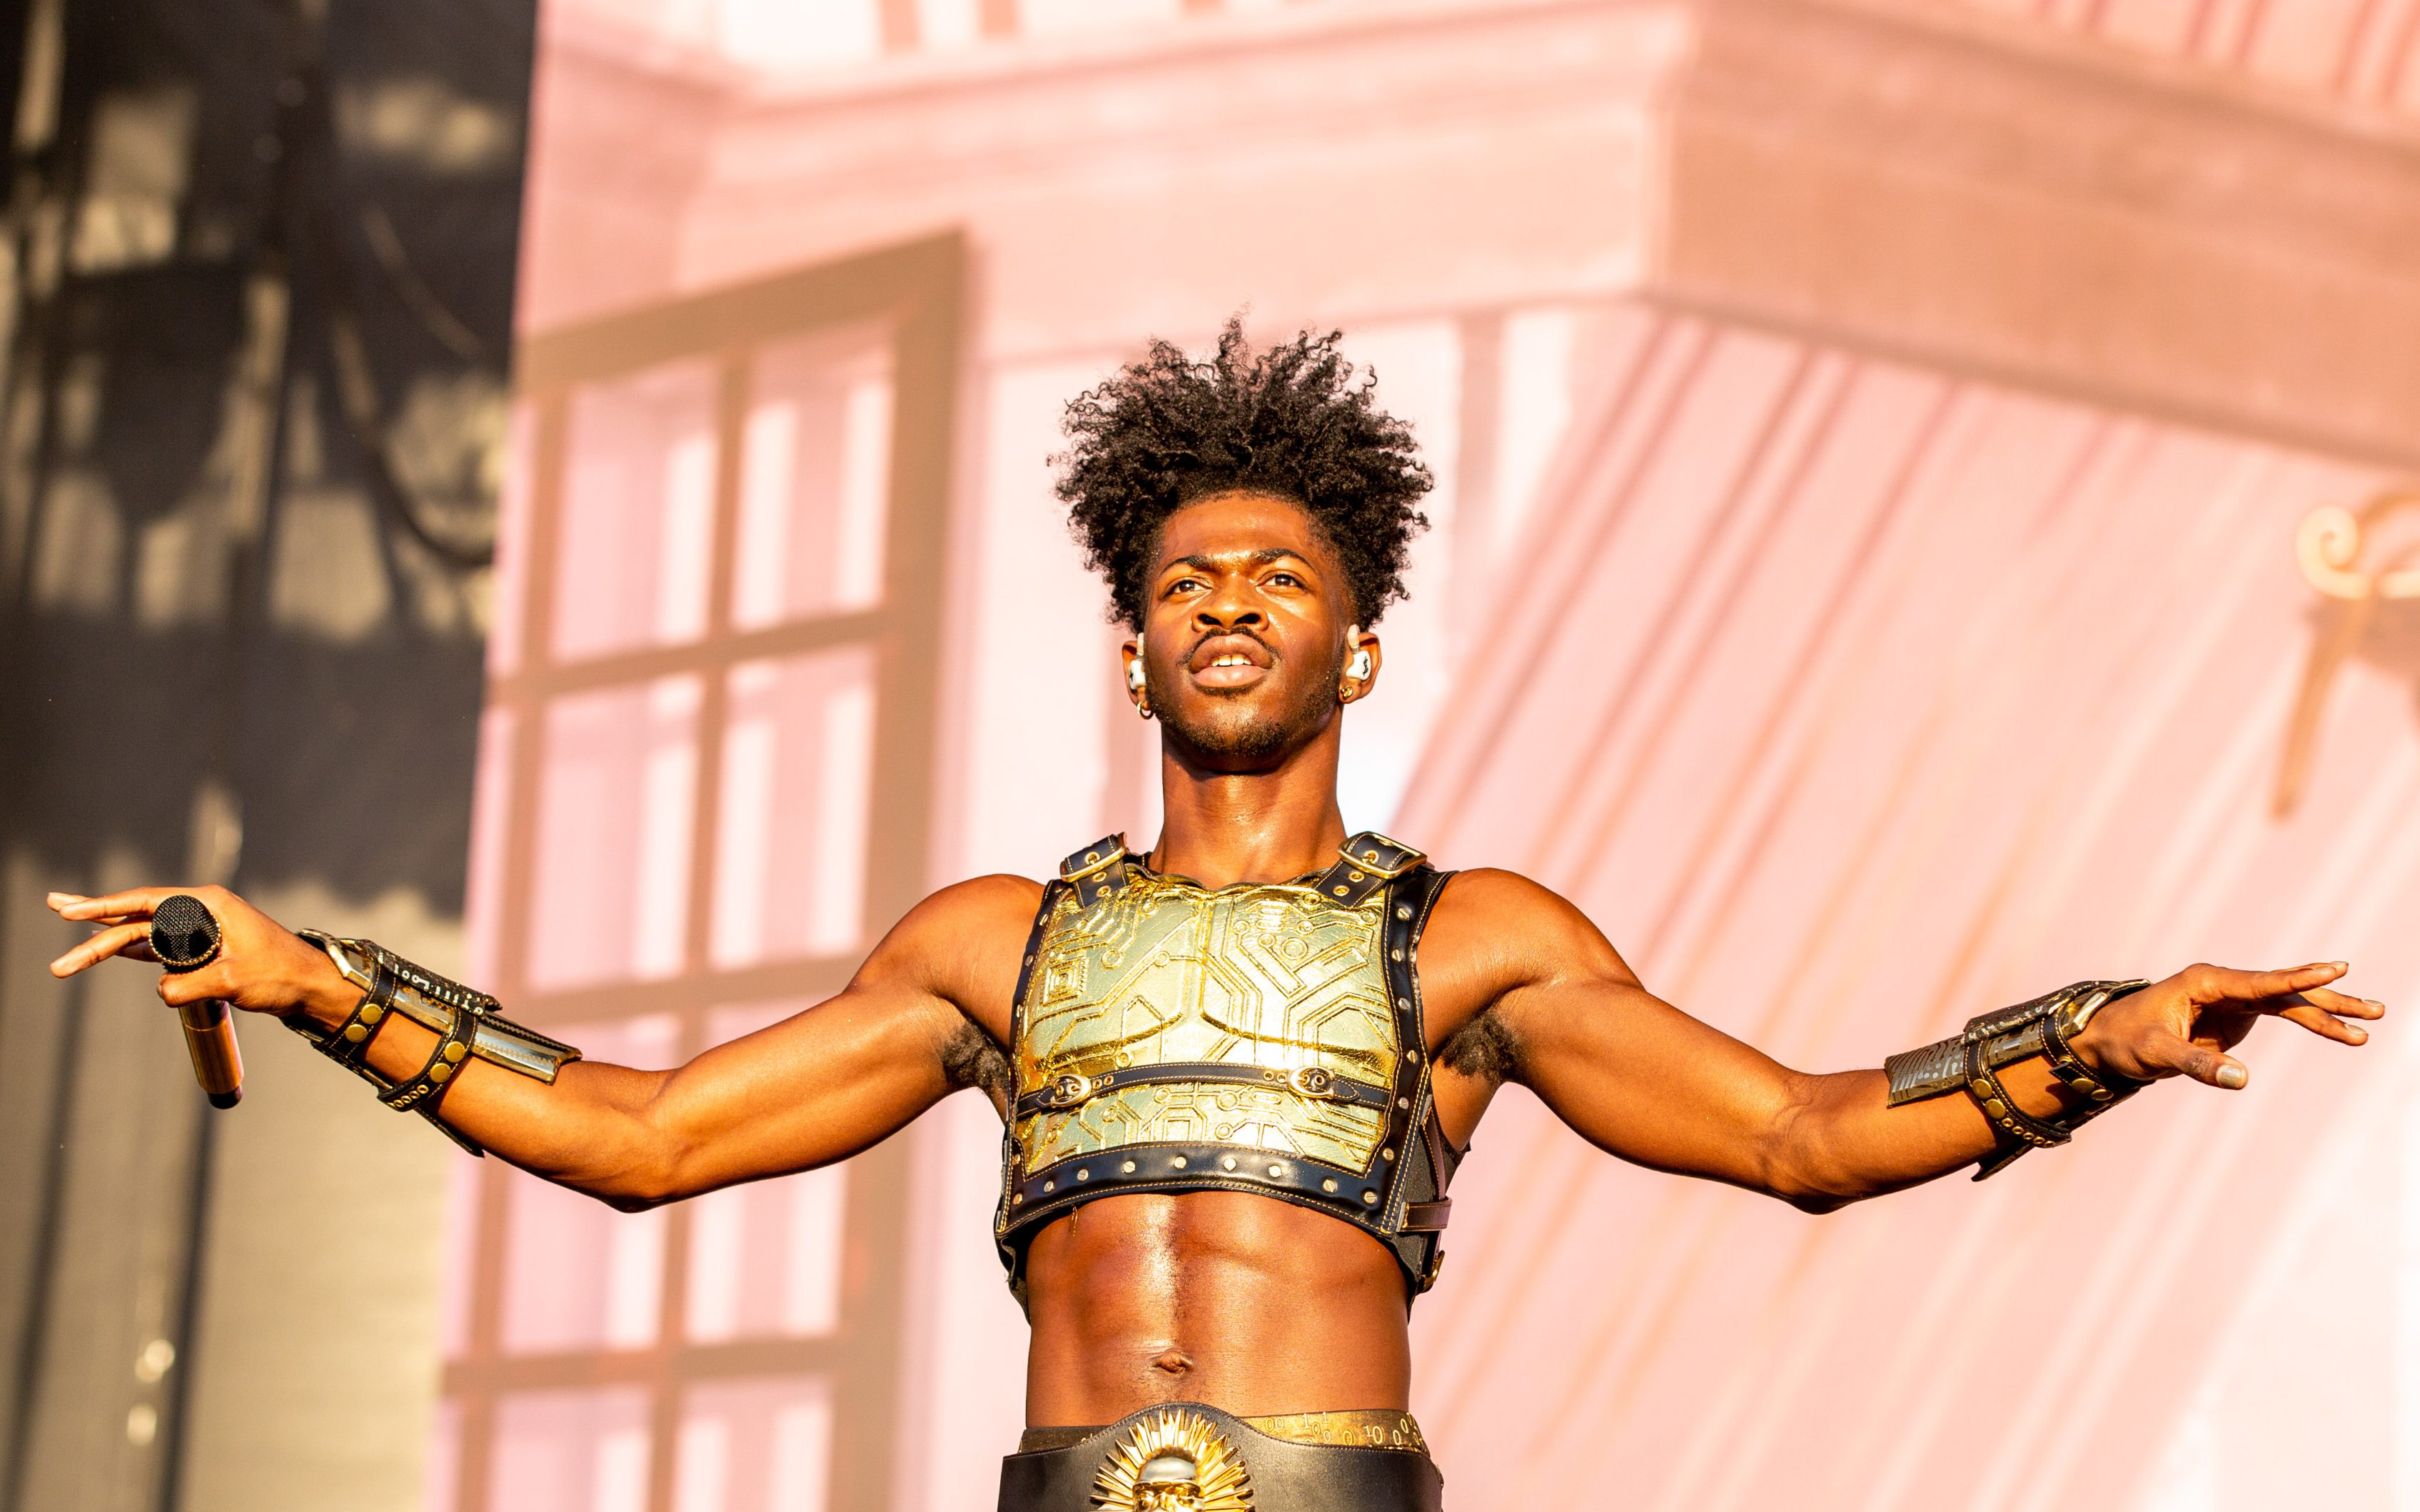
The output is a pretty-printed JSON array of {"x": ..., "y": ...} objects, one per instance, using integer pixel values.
[
  {"x": 1284, "y": 579},
  {"x": 1185, "y": 583}
]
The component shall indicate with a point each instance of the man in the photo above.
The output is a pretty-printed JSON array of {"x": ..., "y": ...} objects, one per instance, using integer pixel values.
[{"x": 1235, "y": 1072}]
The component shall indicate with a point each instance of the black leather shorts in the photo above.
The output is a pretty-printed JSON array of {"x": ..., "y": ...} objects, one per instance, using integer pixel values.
[{"x": 1186, "y": 1456}]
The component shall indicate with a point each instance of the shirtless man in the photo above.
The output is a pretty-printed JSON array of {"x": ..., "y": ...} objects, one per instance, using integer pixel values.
[{"x": 1235, "y": 1072}]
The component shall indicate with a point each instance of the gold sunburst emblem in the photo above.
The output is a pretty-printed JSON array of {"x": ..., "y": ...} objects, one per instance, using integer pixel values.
[{"x": 1174, "y": 1462}]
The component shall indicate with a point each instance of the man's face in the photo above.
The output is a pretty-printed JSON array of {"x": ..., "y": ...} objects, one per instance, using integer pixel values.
[{"x": 1244, "y": 632}]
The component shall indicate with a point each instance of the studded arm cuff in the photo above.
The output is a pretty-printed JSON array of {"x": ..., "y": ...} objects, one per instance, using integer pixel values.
[
  {"x": 1972, "y": 1060},
  {"x": 467, "y": 1024}
]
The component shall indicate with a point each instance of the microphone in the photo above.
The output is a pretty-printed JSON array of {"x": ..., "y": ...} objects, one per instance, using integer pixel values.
[{"x": 185, "y": 937}]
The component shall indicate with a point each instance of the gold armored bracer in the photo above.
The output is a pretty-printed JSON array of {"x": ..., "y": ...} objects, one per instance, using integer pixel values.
[
  {"x": 1262, "y": 1037},
  {"x": 1971, "y": 1062},
  {"x": 467, "y": 1022}
]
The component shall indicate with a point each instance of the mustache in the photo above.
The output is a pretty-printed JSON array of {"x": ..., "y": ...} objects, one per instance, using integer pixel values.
[{"x": 1207, "y": 636}]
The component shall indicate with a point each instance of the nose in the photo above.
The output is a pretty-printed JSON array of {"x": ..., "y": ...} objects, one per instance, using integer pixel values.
[{"x": 1229, "y": 608}]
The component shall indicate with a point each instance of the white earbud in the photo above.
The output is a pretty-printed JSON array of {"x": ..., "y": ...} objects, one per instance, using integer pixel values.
[
  {"x": 1360, "y": 668},
  {"x": 1133, "y": 669}
]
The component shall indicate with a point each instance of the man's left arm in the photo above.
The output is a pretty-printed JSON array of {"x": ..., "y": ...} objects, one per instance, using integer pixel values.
[{"x": 1644, "y": 1081}]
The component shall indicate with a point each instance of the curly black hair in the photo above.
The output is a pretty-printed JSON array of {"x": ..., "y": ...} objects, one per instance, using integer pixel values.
[{"x": 1291, "y": 421}]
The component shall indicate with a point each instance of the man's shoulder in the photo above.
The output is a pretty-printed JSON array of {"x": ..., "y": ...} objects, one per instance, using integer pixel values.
[
  {"x": 1495, "y": 893},
  {"x": 995, "y": 899},
  {"x": 980, "y": 916},
  {"x": 1502, "y": 915},
  {"x": 962, "y": 942}
]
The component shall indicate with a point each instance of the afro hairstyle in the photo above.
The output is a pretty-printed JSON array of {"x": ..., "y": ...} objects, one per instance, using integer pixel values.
[{"x": 1295, "y": 421}]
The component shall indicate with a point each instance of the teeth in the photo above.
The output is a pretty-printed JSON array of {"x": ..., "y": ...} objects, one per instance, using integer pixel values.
[{"x": 1231, "y": 661}]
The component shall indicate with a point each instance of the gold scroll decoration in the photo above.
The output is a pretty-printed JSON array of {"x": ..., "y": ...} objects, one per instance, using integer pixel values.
[{"x": 2330, "y": 546}]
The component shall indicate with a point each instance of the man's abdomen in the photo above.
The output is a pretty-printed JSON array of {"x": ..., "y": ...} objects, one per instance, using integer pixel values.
[{"x": 1247, "y": 1302}]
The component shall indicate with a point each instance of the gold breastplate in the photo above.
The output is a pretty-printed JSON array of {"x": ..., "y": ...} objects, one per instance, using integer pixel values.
[
  {"x": 1271, "y": 979},
  {"x": 1262, "y": 1037}
]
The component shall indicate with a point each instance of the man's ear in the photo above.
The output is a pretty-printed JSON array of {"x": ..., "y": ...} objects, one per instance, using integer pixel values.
[
  {"x": 1362, "y": 657},
  {"x": 1130, "y": 654}
]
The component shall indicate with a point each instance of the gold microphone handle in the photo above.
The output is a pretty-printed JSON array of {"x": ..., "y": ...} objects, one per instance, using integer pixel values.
[
  {"x": 185, "y": 937},
  {"x": 209, "y": 1037}
]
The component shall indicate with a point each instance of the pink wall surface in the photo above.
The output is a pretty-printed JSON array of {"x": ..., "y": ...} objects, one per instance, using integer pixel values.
[
  {"x": 1857, "y": 663},
  {"x": 1853, "y": 700}
]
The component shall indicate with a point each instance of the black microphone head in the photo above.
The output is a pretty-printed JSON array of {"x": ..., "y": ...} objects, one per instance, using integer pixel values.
[{"x": 184, "y": 933}]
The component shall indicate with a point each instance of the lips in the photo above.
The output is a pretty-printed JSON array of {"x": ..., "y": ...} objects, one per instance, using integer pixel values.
[{"x": 1227, "y": 663}]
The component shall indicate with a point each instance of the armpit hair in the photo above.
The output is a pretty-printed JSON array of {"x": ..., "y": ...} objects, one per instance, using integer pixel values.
[
  {"x": 1484, "y": 1047},
  {"x": 971, "y": 1058}
]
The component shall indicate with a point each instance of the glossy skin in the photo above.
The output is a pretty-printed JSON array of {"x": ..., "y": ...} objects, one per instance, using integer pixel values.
[{"x": 1244, "y": 1302}]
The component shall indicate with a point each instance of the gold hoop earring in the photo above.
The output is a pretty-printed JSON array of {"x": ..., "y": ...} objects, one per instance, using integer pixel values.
[{"x": 1358, "y": 670}]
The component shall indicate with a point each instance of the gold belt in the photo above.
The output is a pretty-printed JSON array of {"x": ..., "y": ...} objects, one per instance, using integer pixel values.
[{"x": 1365, "y": 1427}]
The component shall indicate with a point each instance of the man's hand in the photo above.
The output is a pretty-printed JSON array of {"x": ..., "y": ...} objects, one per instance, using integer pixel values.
[
  {"x": 2185, "y": 1025},
  {"x": 261, "y": 965}
]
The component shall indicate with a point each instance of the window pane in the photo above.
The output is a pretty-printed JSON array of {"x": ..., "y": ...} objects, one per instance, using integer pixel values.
[
  {"x": 514, "y": 502},
  {"x": 439, "y": 1481},
  {"x": 615, "y": 800},
  {"x": 636, "y": 518},
  {"x": 582, "y": 1451},
  {"x": 578, "y": 1275},
  {"x": 764, "y": 1259},
  {"x": 814, "y": 478},
  {"x": 798, "y": 770},
  {"x": 492, "y": 781},
  {"x": 461, "y": 1239},
  {"x": 1058, "y": 18},
  {"x": 754, "y": 1446}
]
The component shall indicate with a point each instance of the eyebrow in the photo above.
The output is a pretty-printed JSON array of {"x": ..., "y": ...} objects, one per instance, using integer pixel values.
[{"x": 1260, "y": 558}]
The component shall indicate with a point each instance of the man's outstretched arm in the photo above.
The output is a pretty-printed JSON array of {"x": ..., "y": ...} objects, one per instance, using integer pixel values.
[
  {"x": 816, "y": 1087},
  {"x": 1643, "y": 1080}
]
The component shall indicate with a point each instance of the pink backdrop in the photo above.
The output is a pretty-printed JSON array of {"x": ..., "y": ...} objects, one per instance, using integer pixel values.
[{"x": 1871, "y": 442}]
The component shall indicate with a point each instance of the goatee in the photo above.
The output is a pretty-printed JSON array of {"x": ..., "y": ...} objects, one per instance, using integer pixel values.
[{"x": 1257, "y": 739}]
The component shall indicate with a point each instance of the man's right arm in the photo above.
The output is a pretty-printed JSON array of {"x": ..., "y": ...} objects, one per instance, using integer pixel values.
[{"x": 916, "y": 1022}]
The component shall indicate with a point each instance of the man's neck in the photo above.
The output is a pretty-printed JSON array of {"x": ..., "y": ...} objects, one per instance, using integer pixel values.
[{"x": 1270, "y": 826}]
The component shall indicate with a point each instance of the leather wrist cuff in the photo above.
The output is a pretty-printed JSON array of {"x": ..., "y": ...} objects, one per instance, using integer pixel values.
[
  {"x": 350, "y": 1046},
  {"x": 1971, "y": 1062},
  {"x": 2097, "y": 1090},
  {"x": 429, "y": 1000},
  {"x": 424, "y": 1093},
  {"x": 352, "y": 1054},
  {"x": 2018, "y": 1130},
  {"x": 467, "y": 1024},
  {"x": 348, "y": 1043}
]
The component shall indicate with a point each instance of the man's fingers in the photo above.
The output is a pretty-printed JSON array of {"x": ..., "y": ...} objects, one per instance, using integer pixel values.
[
  {"x": 2218, "y": 983},
  {"x": 2204, "y": 1065},
  {"x": 123, "y": 940},
  {"x": 177, "y": 988},
  {"x": 2344, "y": 1005},
  {"x": 2212, "y": 1068},
  {"x": 2325, "y": 1024},
  {"x": 2321, "y": 1010},
  {"x": 136, "y": 903}
]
